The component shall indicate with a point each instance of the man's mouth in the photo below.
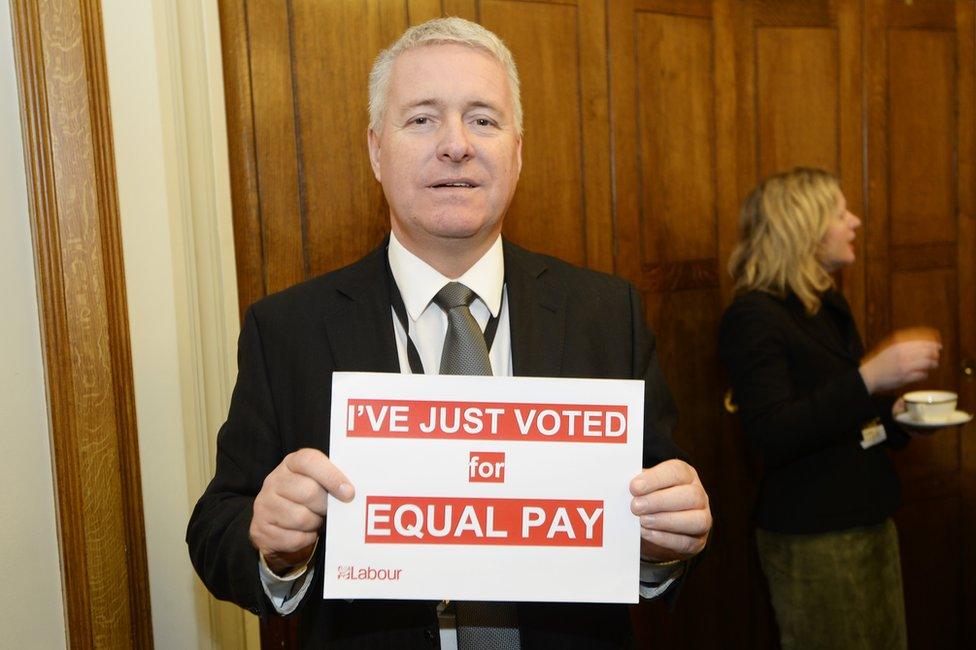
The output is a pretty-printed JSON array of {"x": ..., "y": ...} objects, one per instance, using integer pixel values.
[{"x": 460, "y": 183}]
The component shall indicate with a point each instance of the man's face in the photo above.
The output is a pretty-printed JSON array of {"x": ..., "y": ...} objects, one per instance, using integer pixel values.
[{"x": 448, "y": 153}]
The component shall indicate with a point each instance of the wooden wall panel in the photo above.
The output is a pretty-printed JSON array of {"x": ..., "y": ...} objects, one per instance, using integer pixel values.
[
  {"x": 344, "y": 213},
  {"x": 676, "y": 135},
  {"x": 922, "y": 133},
  {"x": 684, "y": 323},
  {"x": 646, "y": 122},
  {"x": 65, "y": 113},
  {"x": 965, "y": 27},
  {"x": 797, "y": 77},
  {"x": 929, "y": 298},
  {"x": 239, "y": 106},
  {"x": 919, "y": 160},
  {"x": 930, "y": 531},
  {"x": 544, "y": 37},
  {"x": 279, "y": 190},
  {"x": 667, "y": 73}
]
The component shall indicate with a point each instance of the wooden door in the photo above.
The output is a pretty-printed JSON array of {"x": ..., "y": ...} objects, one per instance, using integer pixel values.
[
  {"x": 646, "y": 122},
  {"x": 673, "y": 110},
  {"x": 920, "y": 270}
]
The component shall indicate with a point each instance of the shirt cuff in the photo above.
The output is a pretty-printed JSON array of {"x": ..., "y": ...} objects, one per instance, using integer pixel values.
[
  {"x": 657, "y": 577},
  {"x": 285, "y": 592}
]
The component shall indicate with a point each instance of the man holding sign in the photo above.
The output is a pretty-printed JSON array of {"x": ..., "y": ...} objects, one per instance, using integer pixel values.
[{"x": 444, "y": 295}]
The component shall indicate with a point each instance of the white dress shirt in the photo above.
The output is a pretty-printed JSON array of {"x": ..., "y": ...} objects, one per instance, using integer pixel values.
[{"x": 418, "y": 283}]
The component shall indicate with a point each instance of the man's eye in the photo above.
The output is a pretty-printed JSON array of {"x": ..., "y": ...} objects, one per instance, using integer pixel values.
[
  {"x": 419, "y": 120},
  {"x": 483, "y": 121}
]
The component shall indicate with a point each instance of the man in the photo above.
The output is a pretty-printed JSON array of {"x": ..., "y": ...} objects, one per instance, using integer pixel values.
[{"x": 445, "y": 143}]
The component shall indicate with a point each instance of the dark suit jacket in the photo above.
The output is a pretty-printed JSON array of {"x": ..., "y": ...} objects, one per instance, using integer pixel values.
[
  {"x": 565, "y": 322},
  {"x": 802, "y": 403}
]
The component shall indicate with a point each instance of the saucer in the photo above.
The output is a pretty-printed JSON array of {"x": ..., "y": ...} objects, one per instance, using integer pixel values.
[{"x": 953, "y": 419}]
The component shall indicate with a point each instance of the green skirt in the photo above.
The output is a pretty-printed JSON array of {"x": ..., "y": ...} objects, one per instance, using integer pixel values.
[{"x": 836, "y": 590}]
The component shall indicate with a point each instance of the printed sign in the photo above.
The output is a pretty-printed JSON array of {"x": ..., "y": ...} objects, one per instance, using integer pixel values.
[{"x": 484, "y": 488}]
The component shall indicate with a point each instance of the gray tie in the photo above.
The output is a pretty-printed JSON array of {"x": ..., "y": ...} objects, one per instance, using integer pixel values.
[
  {"x": 480, "y": 626},
  {"x": 465, "y": 352}
]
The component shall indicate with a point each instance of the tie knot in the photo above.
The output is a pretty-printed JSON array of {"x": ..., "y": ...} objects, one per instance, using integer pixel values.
[{"x": 454, "y": 294}]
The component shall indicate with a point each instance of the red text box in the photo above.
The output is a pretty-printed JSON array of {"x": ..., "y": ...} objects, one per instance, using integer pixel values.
[
  {"x": 486, "y": 467},
  {"x": 381, "y": 418},
  {"x": 476, "y": 521}
]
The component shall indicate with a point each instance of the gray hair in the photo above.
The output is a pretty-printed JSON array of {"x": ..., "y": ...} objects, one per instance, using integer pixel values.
[{"x": 439, "y": 31}]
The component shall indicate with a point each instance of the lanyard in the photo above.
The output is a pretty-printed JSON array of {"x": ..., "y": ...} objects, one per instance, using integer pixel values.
[{"x": 413, "y": 356}]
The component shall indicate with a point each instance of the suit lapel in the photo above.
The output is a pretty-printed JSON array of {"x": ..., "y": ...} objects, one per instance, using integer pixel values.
[
  {"x": 360, "y": 326},
  {"x": 536, "y": 314}
]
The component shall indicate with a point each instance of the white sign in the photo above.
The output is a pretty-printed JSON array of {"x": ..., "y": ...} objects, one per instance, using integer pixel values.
[{"x": 485, "y": 488}]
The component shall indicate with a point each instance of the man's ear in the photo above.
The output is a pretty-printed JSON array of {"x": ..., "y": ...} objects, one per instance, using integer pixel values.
[
  {"x": 373, "y": 144},
  {"x": 518, "y": 157}
]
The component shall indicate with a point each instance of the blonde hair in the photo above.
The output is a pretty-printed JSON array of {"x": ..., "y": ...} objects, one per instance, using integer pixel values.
[
  {"x": 781, "y": 225},
  {"x": 440, "y": 31}
]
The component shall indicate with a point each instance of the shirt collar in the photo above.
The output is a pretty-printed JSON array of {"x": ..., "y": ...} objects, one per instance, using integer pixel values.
[{"x": 419, "y": 282}]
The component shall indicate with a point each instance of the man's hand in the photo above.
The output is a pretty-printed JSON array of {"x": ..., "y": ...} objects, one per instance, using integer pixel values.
[
  {"x": 290, "y": 508},
  {"x": 673, "y": 510}
]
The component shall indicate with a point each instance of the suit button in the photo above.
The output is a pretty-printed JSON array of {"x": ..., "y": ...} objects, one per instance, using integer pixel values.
[{"x": 431, "y": 636}]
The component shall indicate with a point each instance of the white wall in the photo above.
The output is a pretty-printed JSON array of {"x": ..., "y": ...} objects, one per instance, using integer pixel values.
[
  {"x": 166, "y": 91},
  {"x": 31, "y": 607},
  {"x": 144, "y": 203}
]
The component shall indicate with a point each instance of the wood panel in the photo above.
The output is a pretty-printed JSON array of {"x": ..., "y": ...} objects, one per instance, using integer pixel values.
[
  {"x": 929, "y": 298},
  {"x": 646, "y": 122},
  {"x": 676, "y": 136},
  {"x": 84, "y": 323},
  {"x": 669, "y": 69},
  {"x": 797, "y": 76},
  {"x": 565, "y": 186},
  {"x": 543, "y": 37},
  {"x": 921, "y": 132},
  {"x": 916, "y": 523},
  {"x": 248, "y": 251},
  {"x": 276, "y": 140},
  {"x": 965, "y": 25},
  {"x": 684, "y": 323},
  {"x": 344, "y": 213},
  {"x": 919, "y": 73}
]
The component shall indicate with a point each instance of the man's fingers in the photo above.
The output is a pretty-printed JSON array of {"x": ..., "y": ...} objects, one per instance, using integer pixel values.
[
  {"x": 663, "y": 475},
  {"x": 687, "y": 522},
  {"x": 287, "y": 540},
  {"x": 289, "y": 515},
  {"x": 301, "y": 489},
  {"x": 674, "y": 544},
  {"x": 672, "y": 499},
  {"x": 317, "y": 466}
]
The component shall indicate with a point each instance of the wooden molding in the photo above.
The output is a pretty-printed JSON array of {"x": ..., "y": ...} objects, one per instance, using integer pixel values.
[{"x": 85, "y": 333}]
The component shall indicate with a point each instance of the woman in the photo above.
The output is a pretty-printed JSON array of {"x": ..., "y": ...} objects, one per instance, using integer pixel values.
[{"x": 809, "y": 402}]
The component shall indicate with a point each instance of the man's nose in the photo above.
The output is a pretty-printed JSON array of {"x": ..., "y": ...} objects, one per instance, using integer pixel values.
[{"x": 455, "y": 143}]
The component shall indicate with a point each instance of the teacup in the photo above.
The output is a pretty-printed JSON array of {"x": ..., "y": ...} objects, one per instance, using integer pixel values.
[{"x": 930, "y": 405}]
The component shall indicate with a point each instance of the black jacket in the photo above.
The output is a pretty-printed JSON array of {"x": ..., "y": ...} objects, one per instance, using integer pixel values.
[
  {"x": 803, "y": 403},
  {"x": 564, "y": 321}
]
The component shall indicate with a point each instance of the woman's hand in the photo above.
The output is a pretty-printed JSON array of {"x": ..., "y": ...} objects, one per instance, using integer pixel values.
[{"x": 893, "y": 365}]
